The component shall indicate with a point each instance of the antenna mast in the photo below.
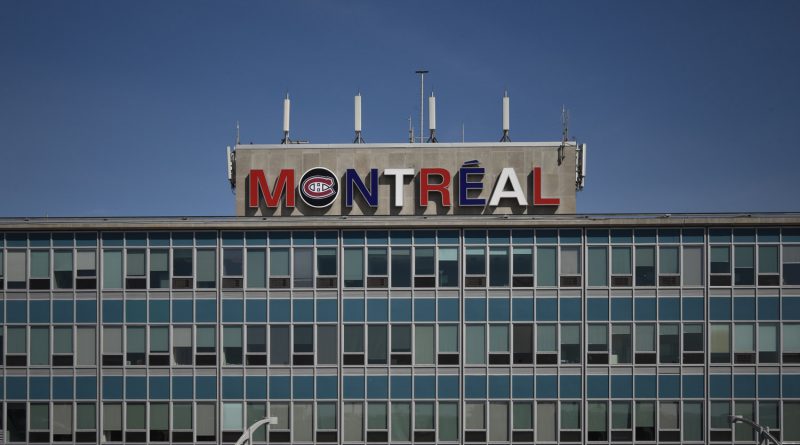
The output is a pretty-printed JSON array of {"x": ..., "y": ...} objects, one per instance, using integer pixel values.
[
  {"x": 564, "y": 133},
  {"x": 422, "y": 74}
]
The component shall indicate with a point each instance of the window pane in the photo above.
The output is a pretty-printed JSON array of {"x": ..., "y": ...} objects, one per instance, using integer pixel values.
[
  {"x": 376, "y": 416},
  {"x": 598, "y": 266},
  {"x": 303, "y": 268},
  {"x": 401, "y": 267},
  {"x": 474, "y": 418},
  {"x": 182, "y": 262},
  {"x": 621, "y": 415},
  {"x": 597, "y": 417},
  {"x": 40, "y": 346},
  {"x": 668, "y": 260},
  {"x": 278, "y": 262},
  {"x": 476, "y": 261},
  {"x": 720, "y": 259},
  {"x": 377, "y": 345},
  {"x": 353, "y": 338},
  {"x": 353, "y": 422},
  {"x": 570, "y": 416},
  {"x": 112, "y": 269},
  {"x": 546, "y": 266},
  {"x": 62, "y": 340},
  {"x": 570, "y": 261},
  {"x": 523, "y": 260},
  {"x": 135, "y": 263},
  {"x": 206, "y": 268},
  {"x": 498, "y": 421},
  {"x": 692, "y": 421},
  {"x": 423, "y": 416},
  {"x": 256, "y": 268},
  {"x": 182, "y": 416},
  {"x": 326, "y": 261},
  {"x": 232, "y": 413},
  {"x": 546, "y": 421},
  {"x": 523, "y": 415},
  {"x": 376, "y": 261},
  {"x": 354, "y": 267},
  {"x": 159, "y": 416},
  {"x": 768, "y": 259},
  {"x": 86, "y": 346},
  {"x": 668, "y": 416},
  {"x": 448, "y": 421},
  {"x": 621, "y": 261},
  {"x": 645, "y": 338},
  {"x": 232, "y": 262},
  {"x": 692, "y": 266},
  {"x": 744, "y": 338},
  {"x": 546, "y": 338},
  {"x": 498, "y": 266},
  {"x": 401, "y": 422},
  {"x": 448, "y": 338},
  {"x": 279, "y": 345},
  {"x": 327, "y": 339},
  {"x": 135, "y": 416},
  {"x": 423, "y": 261},
  {"x": 206, "y": 419},
  {"x": 720, "y": 338},
  {"x": 476, "y": 344},
  {"x": 498, "y": 338},
  {"x": 40, "y": 264},
  {"x": 86, "y": 416},
  {"x": 159, "y": 269},
  {"x": 424, "y": 345}
]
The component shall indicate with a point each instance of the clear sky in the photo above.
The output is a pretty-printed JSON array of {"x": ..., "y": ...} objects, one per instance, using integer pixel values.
[{"x": 125, "y": 108}]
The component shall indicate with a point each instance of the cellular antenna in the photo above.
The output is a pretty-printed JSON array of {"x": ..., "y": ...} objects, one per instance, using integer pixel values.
[
  {"x": 432, "y": 118},
  {"x": 237, "y": 132},
  {"x": 506, "y": 118},
  {"x": 357, "y": 117},
  {"x": 410, "y": 131},
  {"x": 286, "y": 108},
  {"x": 564, "y": 133},
  {"x": 422, "y": 74}
]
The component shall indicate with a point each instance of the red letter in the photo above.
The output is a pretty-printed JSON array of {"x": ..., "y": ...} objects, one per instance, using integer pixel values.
[
  {"x": 426, "y": 188},
  {"x": 537, "y": 190},
  {"x": 284, "y": 183}
]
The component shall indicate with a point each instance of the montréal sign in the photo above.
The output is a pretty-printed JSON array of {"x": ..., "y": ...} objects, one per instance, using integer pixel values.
[{"x": 319, "y": 187}]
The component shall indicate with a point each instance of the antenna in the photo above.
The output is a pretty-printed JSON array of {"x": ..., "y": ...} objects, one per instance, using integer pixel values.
[
  {"x": 432, "y": 118},
  {"x": 410, "y": 131},
  {"x": 357, "y": 124},
  {"x": 506, "y": 118},
  {"x": 286, "y": 109},
  {"x": 422, "y": 74},
  {"x": 462, "y": 132},
  {"x": 237, "y": 132},
  {"x": 564, "y": 133}
]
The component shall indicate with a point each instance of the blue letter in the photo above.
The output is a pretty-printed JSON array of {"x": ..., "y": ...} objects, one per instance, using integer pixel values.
[
  {"x": 371, "y": 196},
  {"x": 464, "y": 186}
]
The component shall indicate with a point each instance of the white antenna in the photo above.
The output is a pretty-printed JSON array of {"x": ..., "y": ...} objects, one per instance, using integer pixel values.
[
  {"x": 286, "y": 109},
  {"x": 357, "y": 123},
  {"x": 432, "y": 118},
  {"x": 229, "y": 159},
  {"x": 506, "y": 118}
]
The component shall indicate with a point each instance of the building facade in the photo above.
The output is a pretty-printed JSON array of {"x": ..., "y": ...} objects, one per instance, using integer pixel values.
[{"x": 505, "y": 328}]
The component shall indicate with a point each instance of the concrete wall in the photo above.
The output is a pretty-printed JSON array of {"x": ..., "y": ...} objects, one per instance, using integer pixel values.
[{"x": 558, "y": 179}]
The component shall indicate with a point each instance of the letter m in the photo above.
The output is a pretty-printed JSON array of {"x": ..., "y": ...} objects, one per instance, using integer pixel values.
[{"x": 284, "y": 184}]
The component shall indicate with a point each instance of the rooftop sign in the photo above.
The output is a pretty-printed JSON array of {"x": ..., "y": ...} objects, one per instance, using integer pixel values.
[{"x": 404, "y": 179}]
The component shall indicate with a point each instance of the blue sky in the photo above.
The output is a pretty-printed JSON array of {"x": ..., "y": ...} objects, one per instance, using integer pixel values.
[{"x": 125, "y": 108}]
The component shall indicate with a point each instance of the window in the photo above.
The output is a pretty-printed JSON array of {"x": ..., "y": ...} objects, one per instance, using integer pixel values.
[
  {"x": 40, "y": 346},
  {"x": 424, "y": 422},
  {"x": 206, "y": 354},
  {"x": 159, "y": 269},
  {"x": 353, "y": 421},
  {"x": 668, "y": 422},
  {"x": 768, "y": 416},
  {"x": 112, "y": 422},
  {"x": 645, "y": 421},
  {"x": 744, "y": 266},
  {"x": 135, "y": 346},
  {"x": 621, "y": 344},
  {"x": 62, "y": 269},
  {"x": 135, "y": 277},
  {"x": 256, "y": 268},
  {"x": 39, "y": 423},
  {"x": 16, "y": 422},
  {"x": 326, "y": 422},
  {"x": 570, "y": 344},
  {"x": 546, "y": 421},
  {"x": 40, "y": 270},
  {"x": 377, "y": 339},
  {"x": 720, "y": 343},
  {"x": 86, "y": 422},
  {"x": 206, "y": 422},
  {"x": 448, "y": 421},
  {"x": 499, "y": 266},
  {"x": 232, "y": 268},
  {"x": 87, "y": 350},
  {"x": 279, "y": 268},
  {"x": 232, "y": 345},
  {"x": 256, "y": 345},
  {"x": 621, "y": 275},
  {"x": 522, "y": 422},
  {"x": 645, "y": 266},
  {"x": 475, "y": 421},
  {"x": 448, "y": 344},
  {"x": 206, "y": 269},
  {"x": 448, "y": 266},
  {"x": 669, "y": 343},
  {"x": 62, "y": 346},
  {"x": 87, "y": 269},
  {"x": 523, "y": 342},
  {"x": 767, "y": 343},
  {"x": 742, "y": 431},
  {"x": 401, "y": 267},
  {"x": 112, "y": 269},
  {"x": 182, "y": 346},
  {"x": 475, "y": 267},
  {"x": 791, "y": 343},
  {"x": 744, "y": 343},
  {"x": 182, "y": 424},
  {"x": 570, "y": 266},
  {"x": 377, "y": 267},
  {"x": 498, "y": 421},
  {"x": 159, "y": 422},
  {"x": 303, "y": 424},
  {"x": 791, "y": 265},
  {"x": 546, "y": 344},
  {"x": 17, "y": 274},
  {"x": 182, "y": 268},
  {"x": 570, "y": 422},
  {"x": 326, "y": 267},
  {"x": 279, "y": 345},
  {"x": 523, "y": 267},
  {"x": 768, "y": 266},
  {"x": 159, "y": 346},
  {"x": 423, "y": 267},
  {"x": 377, "y": 424},
  {"x": 303, "y": 267},
  {"x": 303, "y": 345},
  {"x": 693, "y": 344},
  {"x": 135, "y": 419},
  {"x": 424, "y": 345},
  {"x": 401, "y": 422},
  {"x": 401, "y": 345},
  {"x": 597, "y": 414},
  {"x": 598, "y": 344},
  {"x": 112, "y": 346},
  {"x": 720, "y": 426},
  {"x": 353, "y": 345},
  {"x": 327, "y": 341},
  {"x": 693, "y": 266},
  {"x": 598, "y": 266},
  {"x": 720, "y": 266},
  {"x": 621, "y": 423},
  {"x": 354, "y": 267},
  {"x": 645, "y": 344},
  {"x": 499, "y": 344},
  {"x": 668, "y": 266}
]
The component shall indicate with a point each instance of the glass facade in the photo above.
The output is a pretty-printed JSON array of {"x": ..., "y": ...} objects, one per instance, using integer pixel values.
[{"x": 456, "y": 335}]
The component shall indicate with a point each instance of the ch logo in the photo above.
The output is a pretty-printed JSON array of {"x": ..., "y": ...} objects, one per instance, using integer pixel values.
[{"x": 319, "y": 187}]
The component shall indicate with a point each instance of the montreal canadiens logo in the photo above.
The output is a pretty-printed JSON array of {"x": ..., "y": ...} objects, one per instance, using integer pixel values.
[{"x": 319, "y": 187}]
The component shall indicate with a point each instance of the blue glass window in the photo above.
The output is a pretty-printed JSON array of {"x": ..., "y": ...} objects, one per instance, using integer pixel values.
[
  {"x": 303, "y": 310},
  {"x": 791, "y": 235},
  {"x": 645, "y": 386},
  {"x": 280, "y": 387},
  {"x": 545, "y": 236},
  {"x": 645, "y": 236},
  {"x": 112, "y": 387},
  {"x": 16, "y": 311},
  {"x": 353, "y": 309},
  {"x": 597, "y": 309},
  {"x": 622, "y": 386},
  {"x": 377, "y": 387},
  {"x": 522, "y": 309},
  {"x": 499, "y": 237},
  {"x": 182, "y": 311},
  {"x": 86, "y": 388},
  {"x": 475, "y": 309},
  {"x": 499, "y": 309},
  {"x": 424, "y": 387},
  {"x": 570, "y": 387},
  {"x": 744, "y": 386},
  {"x": 448, "y": 309},
  {"x": 39, "y": 388},
  {"x": 546, "y": 387},
  {"x": 351, "y": 238},
  {"x": 475, "y": 237},
  {"x": 791, "y": 308},
  {"x": 40, "y": 311},
  {"x": 327, "y": 387},
  {"x": 232, "y": 387},
  {"x": 62, "y": 311},
  {"x": 693, "y": 309},
  {"x": 327, "y": 310},
  {"x": 570, "y": 236},
  {"x": 720, "y": 308},
  {"x": 63, "y": 388},
  {"x": 669, "y": 235},
  {"x": 719, "y": 235},
  {"x": 669, "y": 386},
  {"x": 546, "y": 309},
  {"x": 232, "y": 311},
  {"x": 448, "y": 386},
  {"x": 424, "y": 309},
  {"x": 768, "y": 386},
  {"x": 645, "y": 309},
  {"x": 279, "y": 311},
  {"x": 16, "y": 388},
  {"x": 693, "y": 386},
  {"x": 159, "y": 387},
  {"x": 744, "y": 235},
  {"x": 256, "y": 387},
  {"x": 136, "y": 311},
  {"x": 353, "y": 386},
  {"x": 159, "y": 311},
  {"x": 499, "y": 387},
  {"x": 401, "y": 309},
  {"x": 791, "y": 385},
  {"x": 768, "y": 308},
  {"x": 522, "y": 386},
  {"x": 522, "y": 237},
  {"x": 475, "y": 386},
  {"x": 693, "y": 236},
  {"x": 112, "y": 311},
  {"x": 669, "y": 309},
  {"x": 597, "y": 386},
  {"x": 597, "y": 236},
  {"x": 744, "y": 308},
  {"x": 377, "y": 238},
  {"x": 303, "y": 387},
  {"x": 377, "y": 309},
  {"x": 719, "y": 385},
  {"x": 182, "y": 387},
  {"x": 570, "y": 309},
  {"x": 621, "y": 236},
  {"x": 402, "y": 237},
  {"x": 401, "y": 386},
  {"x": 206, "y": 387},
  {"x": 256, "y": 310},
  {"x": 136, "y": 387},
  {"x": 621, "y": 309}
]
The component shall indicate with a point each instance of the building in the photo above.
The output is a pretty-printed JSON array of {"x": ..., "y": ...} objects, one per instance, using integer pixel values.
[{"x": 358, "y": 307}]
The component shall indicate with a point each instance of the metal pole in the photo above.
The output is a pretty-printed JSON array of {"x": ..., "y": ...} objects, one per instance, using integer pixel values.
[{"x": 421, "y": 104}]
